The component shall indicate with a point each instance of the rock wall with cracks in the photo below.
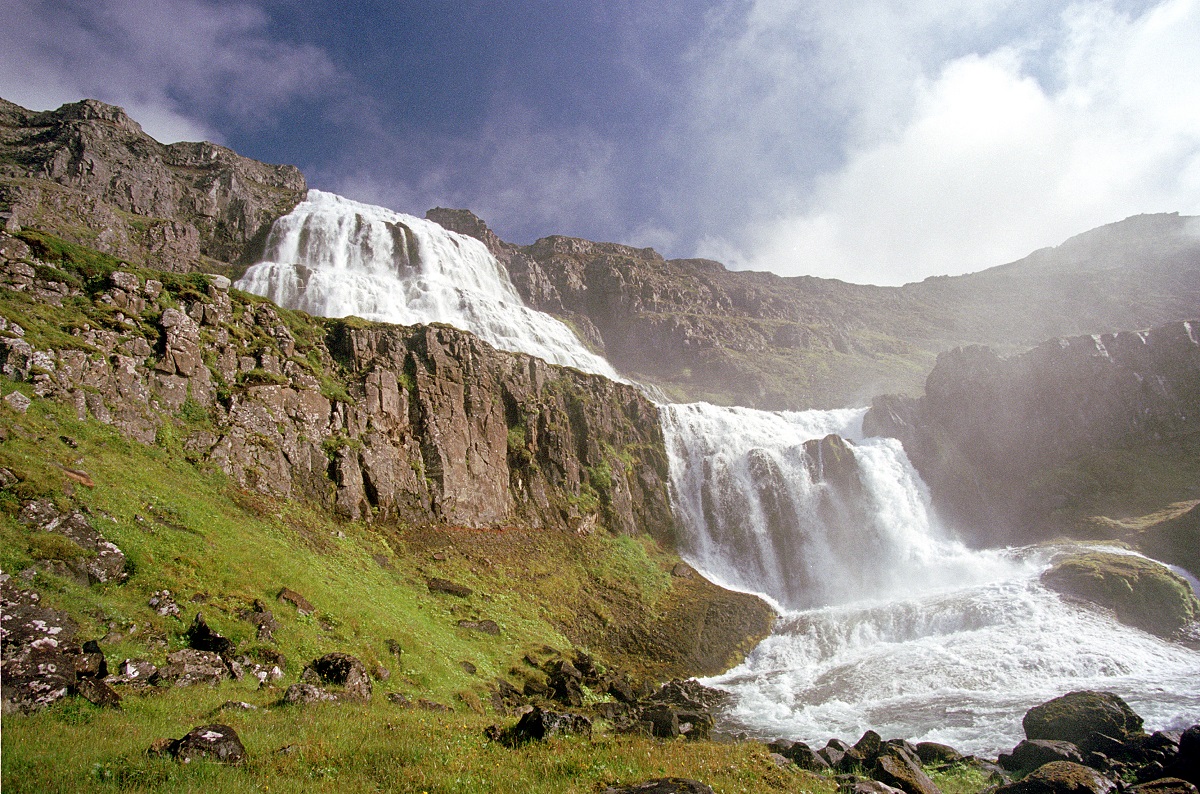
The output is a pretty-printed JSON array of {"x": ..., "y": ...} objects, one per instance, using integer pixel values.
[{"x": 421, "y": 424}]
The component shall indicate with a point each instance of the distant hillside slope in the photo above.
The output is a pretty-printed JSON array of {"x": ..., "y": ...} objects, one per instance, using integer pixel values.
[
  {"x": 89, "y": 174},
  {"x": 703, "y": 332}
]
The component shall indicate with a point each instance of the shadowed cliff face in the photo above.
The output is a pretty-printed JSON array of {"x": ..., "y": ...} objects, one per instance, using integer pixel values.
[
  {"x": 88, "y": 173},
  {"x": 425, "y": 424},
  {"x": 1017, "y": 448}
]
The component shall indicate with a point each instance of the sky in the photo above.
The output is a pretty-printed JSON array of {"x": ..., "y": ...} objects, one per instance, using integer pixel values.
[{"x": 875, "y": 141}]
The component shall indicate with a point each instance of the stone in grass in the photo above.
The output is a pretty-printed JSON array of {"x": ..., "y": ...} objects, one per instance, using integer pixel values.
[
  {"x": 449, "y": 588},
  {"x": 343, "y": 670},
  {"x": 298, "y": 601},
  {"x": 483, "y": 626},
  {"x": 666, "y": 785},
  {"x": 189, "y": 666},
  {"x": 216, "y": 742},
  {"x": 304, "y": 693},
  {"x": 538, "y": 724},
  {"x": 202, "y": 638}
]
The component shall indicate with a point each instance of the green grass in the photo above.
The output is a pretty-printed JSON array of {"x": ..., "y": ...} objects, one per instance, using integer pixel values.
[
  {"x": 187, "y": 530},
  {"x": 351, "y": 747}
]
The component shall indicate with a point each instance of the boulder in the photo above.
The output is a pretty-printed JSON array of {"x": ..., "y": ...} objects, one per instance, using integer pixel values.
[
  {"x": 1032, "y": 753},
  {"x": 449, "y": 588},
  {"x": 97, "y": 692},
  {"x": 935, "y": 753},
  {"x": 1164, "y": 785},
  {"x": 1186, "y": 764},
  {"x": 1140, "y": 591},
  {"x": 298, "y": 601},
  {"x": 87, "y": 556},
  {"x": 1061, "y": 777},
  {"x": 1074, "y": 717},
  {"x": 666, "y": 785},
  {"x": 895, "y": 769},
  {"x": 538, "y": 724},
  {"x": 39, "y": 651},
  {"x": 218, "y": 743},
  {"x": 91, "y": 662},
  {"x": 800, "y": 754},
  {"x": 868, "y": 746},
  {"x": 263, "y": 620},
  {"x": 189, "y": 666},
  {"x": 482, "y": 626},
  {"x": 341, "y": 670},
  {"x": 304, "y": 693},
  {"x": 201, "y": 637}
]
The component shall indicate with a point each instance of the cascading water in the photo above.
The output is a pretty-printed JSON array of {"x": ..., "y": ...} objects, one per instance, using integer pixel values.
[
  {"x": 333, "y": 257},
  {"x": 885, "y": 622}
]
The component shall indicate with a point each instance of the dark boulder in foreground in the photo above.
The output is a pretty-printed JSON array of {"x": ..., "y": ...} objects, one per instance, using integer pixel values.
[
  {"x": 666, "y": 785},
  {"x": 1074, "y": 717},
  {"x": 1061, "y": 777}
]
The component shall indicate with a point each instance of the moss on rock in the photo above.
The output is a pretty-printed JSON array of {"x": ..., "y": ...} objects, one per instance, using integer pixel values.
[{"x": 1140, "y": 591}]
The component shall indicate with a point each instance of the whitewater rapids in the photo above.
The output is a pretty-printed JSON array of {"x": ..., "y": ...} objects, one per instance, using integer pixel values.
[{"x": 887, "y": 623}]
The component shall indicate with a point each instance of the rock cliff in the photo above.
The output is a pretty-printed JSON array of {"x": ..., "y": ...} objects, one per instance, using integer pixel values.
[
  {"x": 423, "y": 424},
  {"x": 88, "y": 173},
  {"x": 757, "y": 339},
  {"x": 1009, "y": 446}
]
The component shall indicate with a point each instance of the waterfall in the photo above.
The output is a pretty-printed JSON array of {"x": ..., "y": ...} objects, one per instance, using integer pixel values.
[
  {"x": 780, "y": 504},
  {"x": 333, "y": 257},
  {"x": 886, "y": 622}
]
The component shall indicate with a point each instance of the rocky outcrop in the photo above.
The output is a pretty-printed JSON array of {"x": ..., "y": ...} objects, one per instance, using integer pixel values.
[
  {"x": 1004, "y": 443},
  {"x": 1139, "y": 591},
  {"x": 425, "y": 424},
  {"x": 88, "y": 173}
]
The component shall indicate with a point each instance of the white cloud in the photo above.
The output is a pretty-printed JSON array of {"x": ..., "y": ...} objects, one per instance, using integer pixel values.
[
  {"x": 170, "y": 63},
  {"x": 970, "y": 133}
]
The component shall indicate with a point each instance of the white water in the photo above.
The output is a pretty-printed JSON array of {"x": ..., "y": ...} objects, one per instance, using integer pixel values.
[
  {"x": 333, "y": 257},
  {"x": 886, "y": 622}
]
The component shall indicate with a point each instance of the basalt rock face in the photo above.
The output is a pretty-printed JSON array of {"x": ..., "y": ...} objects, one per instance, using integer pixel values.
[
  {"x": 426, "y": 424},
  {"x": 88, "y": 173},
  {"x": 1008, "y": 443}
]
